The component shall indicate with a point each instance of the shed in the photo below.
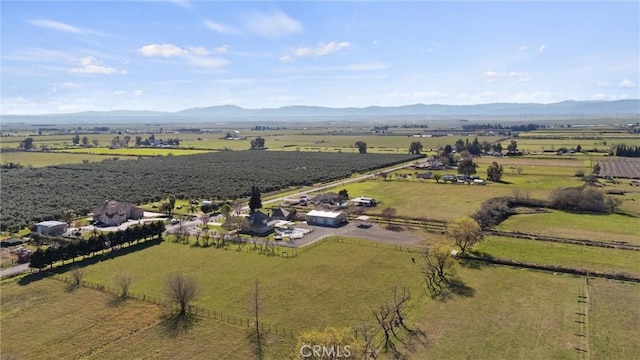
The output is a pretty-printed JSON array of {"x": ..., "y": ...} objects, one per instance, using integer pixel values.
[
  {"x": 326, "y": 218},
  {"x": 51, "y": 227},
  {"x": 363, "y": 201},
  {"x": 11, "y": 242}
]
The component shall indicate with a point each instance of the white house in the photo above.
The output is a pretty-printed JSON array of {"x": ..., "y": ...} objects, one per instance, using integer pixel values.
[{"x": 326, "y": 218}]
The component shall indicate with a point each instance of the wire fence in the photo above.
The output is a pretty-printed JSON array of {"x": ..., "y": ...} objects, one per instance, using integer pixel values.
[{"x": 265, "y": 327}]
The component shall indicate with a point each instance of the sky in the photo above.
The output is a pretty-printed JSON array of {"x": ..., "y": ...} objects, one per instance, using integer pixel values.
[{"x": 72, "y": 56}]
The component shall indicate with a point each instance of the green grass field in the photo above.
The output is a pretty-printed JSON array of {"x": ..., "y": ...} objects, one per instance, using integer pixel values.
[
  {"x": 613, "y": 318},
  {"x": 302, "y": 293},
  {"x": 508, "y": 313},
  {"x": 568, "y": 255},
  {"x": 89, "y": 324},
  {"x": 611, "y": 227},
  {"x": 40, "y": 159}
]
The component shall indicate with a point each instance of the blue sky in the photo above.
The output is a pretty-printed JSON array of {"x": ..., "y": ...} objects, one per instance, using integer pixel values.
[{"x": 60, "y": 57}]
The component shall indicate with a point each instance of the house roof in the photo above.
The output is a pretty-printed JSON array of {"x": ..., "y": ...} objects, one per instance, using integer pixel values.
[
  {"x": 326, "y": 197},
  {"x": 111, "y": 208},
  {"x": 51, "y": 223},
  {"x": 280, "y": 212},
  {"x": 258, "y": 216},
  {"x": 362, "y": 199},
  {"x": 324, "y": 214}
]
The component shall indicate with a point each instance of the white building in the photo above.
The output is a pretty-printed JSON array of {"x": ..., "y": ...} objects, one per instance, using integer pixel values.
[
  {"x": 326, "y": 218},
  {"x": 51, "y": 227}
]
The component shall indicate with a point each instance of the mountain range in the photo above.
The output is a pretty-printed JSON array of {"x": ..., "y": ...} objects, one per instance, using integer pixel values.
[{"x": 564, "y": 108}]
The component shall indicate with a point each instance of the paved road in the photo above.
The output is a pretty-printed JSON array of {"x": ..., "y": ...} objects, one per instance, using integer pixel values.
[
  {"x": 14, "y": 270},
  {"x": 331, "y": 185}
]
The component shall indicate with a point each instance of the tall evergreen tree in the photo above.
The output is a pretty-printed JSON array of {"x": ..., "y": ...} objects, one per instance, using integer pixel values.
[{"x": 255, "y": 201}]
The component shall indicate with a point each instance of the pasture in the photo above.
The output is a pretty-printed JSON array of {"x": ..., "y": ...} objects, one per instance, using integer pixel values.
[
  {"x": 609, "y": 227},
  {"x": 505, "y": 313},
  {"x": 302, "y": 293},
  {"x": 568, "y": 255},
  {"x": 40, "y": 159}
]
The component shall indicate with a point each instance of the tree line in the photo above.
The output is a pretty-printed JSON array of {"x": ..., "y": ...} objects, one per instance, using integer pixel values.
[
  {"x": 61, "y": 249},
  {"x": 627, "y": 151}
]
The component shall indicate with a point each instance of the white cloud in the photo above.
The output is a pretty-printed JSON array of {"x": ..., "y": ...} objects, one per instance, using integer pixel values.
[
  {"x": 90, "y": 65},
  {"x": 627, "y": 84},
  {"x": 603, "y": 84},
  {"x": 138, "y": 92},
  {"x": 321, "y": 49},
  {"x": 222, "y": 49},
  {"x": 520, "y": 76},
  {"x": 221, "y": 28},
  {"x": 207, "y": 62},
  {"x": 119, "y": 93},
  {"x": 367, "y": 66},
  {"x": 193, "y": 55},
  {"x": 164, "y": 50},
  {"x": 542, "y": 48},
  {"x": 272, "y": 25},
  {"x": 493, "y": 76},
  {"x": 56, "y": 25},
  {"x": 199, "y": 51},
  {"x": 523, "y": 47}
]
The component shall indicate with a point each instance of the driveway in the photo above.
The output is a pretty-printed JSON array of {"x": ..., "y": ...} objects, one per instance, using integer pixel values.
[{"x": 373, "y": 233}]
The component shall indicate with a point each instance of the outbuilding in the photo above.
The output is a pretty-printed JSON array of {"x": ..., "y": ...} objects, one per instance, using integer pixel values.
[
  {"x": 51, "y": 227},
  {"x": 326, "y": 218}
]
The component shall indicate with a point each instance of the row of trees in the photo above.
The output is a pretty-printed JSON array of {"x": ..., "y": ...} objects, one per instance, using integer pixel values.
[
  {"x": 39, "y": 194},
  {"x": 627, "y": 151},
  {"x": 63, "y": 249}
]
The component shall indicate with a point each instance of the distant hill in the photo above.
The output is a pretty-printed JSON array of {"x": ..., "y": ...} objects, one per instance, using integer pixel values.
[{"x": 564, "y": 108}]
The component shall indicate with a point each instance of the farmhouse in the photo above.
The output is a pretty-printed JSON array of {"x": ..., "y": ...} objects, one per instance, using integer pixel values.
[
  {"x": 326, "y": 218},
  {"x": 51, "y": 227},
  {"x": 259, "y": 224},
  {"x": 113, "y": 213}
]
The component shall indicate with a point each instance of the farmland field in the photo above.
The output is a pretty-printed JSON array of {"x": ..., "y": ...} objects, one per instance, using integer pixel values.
[
  {"x": 551, "y": 253},
  {"x": 302, "y": 293},
  {"x": 225, "y": 175},
  {"x": 102, "y": 327},
  {"x": 620, "y": 167},
  {"x": 610, "y": 227},
  {"x": 614, "y": 318},
  {"x": 40, "y": 159},
  {"x": 135, "y": 151},
  {"x": 332, "y": 283}
]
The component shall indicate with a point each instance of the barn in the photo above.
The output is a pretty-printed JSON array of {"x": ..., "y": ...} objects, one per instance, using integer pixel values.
[
  {"x": 326, "y": 218},
  {"x": 51, "y": 227}
]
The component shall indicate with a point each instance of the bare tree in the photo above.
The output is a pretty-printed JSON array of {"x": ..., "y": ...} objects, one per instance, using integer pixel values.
[
  {"x": 389, "y": 213},
  {"x": 77, "y": 275},
  {"x": 205, "y": 219},
  {"x": 182, "y": 290},
  {"x": 123, "y": 281},
  {"x": 465, "y": 232},
  {"x": 368, "y": 333},
  {"x": 438, "y": 269}
]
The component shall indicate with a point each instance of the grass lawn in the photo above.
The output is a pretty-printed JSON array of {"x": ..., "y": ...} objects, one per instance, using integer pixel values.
[
  {"x": 551, "y": 253},
  {"x": 40, "y": 159},
  {"x": 514, "y": 314},
  {"x": 611, "y": 227},
  {"x": 426, "y": 198},
  {"x": 306, "y": 292},
  {"x": 85, "y": 323},
  {"x": 613, "y": 318}
]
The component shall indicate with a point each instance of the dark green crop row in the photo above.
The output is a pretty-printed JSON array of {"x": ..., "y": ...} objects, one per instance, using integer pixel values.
[{"x": 31, "y": 195}]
